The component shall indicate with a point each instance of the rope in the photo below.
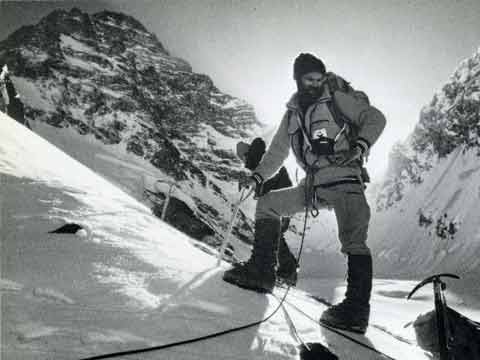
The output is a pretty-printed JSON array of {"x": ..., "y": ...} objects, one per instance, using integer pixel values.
[
  {"x": 299, "y": 254},
  {"x": 338, "y": 332},
  {"x": 208, "y": 336},
  {"x": 193, "y": 340},
  {"x": 294, "y": 328},
  {"x": 243, "y": 197}
]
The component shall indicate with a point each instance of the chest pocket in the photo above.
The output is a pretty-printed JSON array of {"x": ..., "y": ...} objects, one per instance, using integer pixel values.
[
  {"x": 319, "y": 138},
  {"x": 322, "y": 129}
]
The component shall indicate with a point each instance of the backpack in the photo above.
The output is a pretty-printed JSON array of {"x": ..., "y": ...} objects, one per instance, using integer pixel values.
[
  {"x": 337, "y": 83},
  {"x": 464, "y": 339}
]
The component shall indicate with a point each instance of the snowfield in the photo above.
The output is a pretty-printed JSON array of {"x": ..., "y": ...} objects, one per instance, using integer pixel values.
[{"x": 128, "y": 280}]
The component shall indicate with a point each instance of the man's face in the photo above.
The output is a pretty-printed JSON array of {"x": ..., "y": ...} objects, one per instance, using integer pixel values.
[{"x": 313, "y": 83}]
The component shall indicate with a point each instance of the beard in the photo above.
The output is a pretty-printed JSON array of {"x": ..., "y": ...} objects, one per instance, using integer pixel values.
[{"x": 307, "y": 95}]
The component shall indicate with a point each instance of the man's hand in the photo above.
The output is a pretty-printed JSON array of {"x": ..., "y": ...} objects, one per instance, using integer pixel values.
[
  {"x": 255, "y": 180},
  {"x": 353, "y": 155},
  {"x": 246, "y": 183}
]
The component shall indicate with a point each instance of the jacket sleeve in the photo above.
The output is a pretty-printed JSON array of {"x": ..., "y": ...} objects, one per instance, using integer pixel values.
[
  {"x": 277, "y": 151},
  {"x": 369, "y": 121}
]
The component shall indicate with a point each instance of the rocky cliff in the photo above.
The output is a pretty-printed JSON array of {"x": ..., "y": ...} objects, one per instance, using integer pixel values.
[{"x": 106, "y": 78}]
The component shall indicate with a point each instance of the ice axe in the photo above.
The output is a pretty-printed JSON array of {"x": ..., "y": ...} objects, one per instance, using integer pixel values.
[{"x": 440, "y": 309}]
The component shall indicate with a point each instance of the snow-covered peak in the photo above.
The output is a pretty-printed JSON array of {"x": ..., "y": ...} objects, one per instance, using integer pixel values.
[{"x": 104, "y": 82}]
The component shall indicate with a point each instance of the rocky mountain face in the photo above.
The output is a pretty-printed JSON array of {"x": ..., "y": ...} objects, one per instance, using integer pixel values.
[
  {"x": 451, "y": 121},
  {"x": 104, "y": 76},
  {"x": 427, "y": 210}
]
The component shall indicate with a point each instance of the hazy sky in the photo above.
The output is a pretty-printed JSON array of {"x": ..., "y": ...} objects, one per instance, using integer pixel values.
[{"x": 399, "y": 52}]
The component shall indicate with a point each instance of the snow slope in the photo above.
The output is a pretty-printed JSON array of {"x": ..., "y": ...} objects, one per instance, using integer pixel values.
[
  {"x": 427, "y": 213},
  {"x": 128, "y": 280}
]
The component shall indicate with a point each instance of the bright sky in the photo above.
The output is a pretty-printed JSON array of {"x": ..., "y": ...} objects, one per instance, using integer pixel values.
[{"x": 398, "y": 52}]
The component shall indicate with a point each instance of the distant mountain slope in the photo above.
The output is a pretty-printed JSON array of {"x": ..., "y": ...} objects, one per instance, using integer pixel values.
[
  {"x": 106, "y": 77},
  {"x": 428, "y": 211}
]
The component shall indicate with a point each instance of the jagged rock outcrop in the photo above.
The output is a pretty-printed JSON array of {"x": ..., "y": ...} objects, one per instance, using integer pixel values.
[{"x": 106, "y": 75}]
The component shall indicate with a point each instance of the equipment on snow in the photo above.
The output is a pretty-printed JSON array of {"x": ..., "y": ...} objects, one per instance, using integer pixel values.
[
  {"x": 441, "y": 318},
  {"x": 464, "y": 343},
  {"x": 353, "y": 313},
  {"x": 69, "y": 228},
  {"x": 316, "y": 351}
]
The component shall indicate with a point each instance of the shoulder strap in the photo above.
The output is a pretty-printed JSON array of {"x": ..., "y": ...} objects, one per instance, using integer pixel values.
[
  {"x": 305, "y": 138},
  {"x": 337, "y": 83}
]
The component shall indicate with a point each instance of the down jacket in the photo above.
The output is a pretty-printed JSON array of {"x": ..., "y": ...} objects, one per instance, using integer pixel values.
[{"x": 365, "y": 125}]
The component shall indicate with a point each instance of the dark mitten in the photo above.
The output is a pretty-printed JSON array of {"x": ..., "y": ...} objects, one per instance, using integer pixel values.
[{"x": 255, "y": 153}]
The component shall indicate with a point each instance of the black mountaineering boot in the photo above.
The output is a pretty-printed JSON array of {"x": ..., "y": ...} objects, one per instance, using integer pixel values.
[
  {"x": 353, "y": 313},
  {"x": 287, "y": 264},
  {"x": 258, "y": 273}
]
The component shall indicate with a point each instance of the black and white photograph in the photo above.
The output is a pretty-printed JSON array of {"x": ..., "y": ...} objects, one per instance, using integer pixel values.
[{"x": 240, "y": 179}]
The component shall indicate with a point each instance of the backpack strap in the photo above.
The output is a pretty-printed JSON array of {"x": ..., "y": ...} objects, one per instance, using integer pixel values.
[
  {"x": 305, "y": 137},
  {"x": 337, "y": 83}
]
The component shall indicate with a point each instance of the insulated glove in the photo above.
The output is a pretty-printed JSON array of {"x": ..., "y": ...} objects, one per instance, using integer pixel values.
[
  {"x": 356, "y": 154},
  {"x": 253, "y": 180},
  {"x": 353, "y": 155},
  {"x": 255, "y": 153},
  {"x": 251, "y": 154}
]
